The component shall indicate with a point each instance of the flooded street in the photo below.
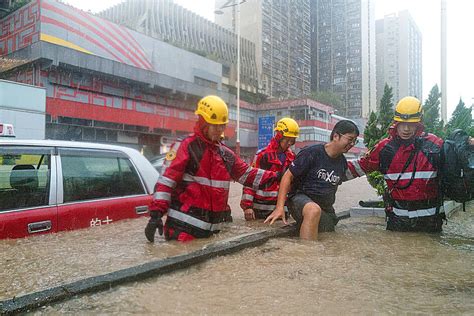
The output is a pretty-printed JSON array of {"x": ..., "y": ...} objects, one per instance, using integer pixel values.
[
  {"x": 118, "y": 114},
  {"x": 50, "y": 260},
  {"x": 359, "y": 269}
]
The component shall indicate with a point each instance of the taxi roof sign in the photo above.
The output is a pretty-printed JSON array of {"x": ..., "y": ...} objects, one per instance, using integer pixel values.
[{"x": 6, "y": 130}]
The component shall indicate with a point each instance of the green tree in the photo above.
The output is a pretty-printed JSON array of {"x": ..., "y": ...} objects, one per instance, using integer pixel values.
[
  {"x": 372, "y": 134},
  {"x": 328, "y": 98},
  {"x": 461, "y": 118},
  {"x": 385, "y": 116},
  {"x": 431, "y": 113},
  {"x": 376, "y": 129}
]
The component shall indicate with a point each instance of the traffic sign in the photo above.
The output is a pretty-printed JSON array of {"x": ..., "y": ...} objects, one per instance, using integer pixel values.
[{"x": 265, "y": 130}]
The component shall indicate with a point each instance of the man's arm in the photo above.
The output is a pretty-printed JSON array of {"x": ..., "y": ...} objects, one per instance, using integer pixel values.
[
  {"x": 250, "y": 176},
  {"x": 248, "y": 193},
  {"x": 366, "y": 164},
  {"x": 279, "y": 211}
]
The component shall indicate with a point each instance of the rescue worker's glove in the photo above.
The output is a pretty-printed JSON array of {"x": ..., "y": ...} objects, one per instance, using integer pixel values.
[{"x": 154, "y": 223}]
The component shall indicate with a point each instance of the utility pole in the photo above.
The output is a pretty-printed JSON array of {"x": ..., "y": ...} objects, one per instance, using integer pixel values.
[
  {"x": 227, "y": 4},
  {"x": 444, "y": 91}
]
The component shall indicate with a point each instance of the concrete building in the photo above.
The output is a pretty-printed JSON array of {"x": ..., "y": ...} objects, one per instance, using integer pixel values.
[
  {"x": 104, "y": 82},
  {"x": 316, "y": 121},
  {"x": 343, "y": 53},
  {"x": 170, "y": 22},
  {"x": 399, "y": 56},
  {"x": 26, "y": 113},
  {"x": 280, "y": 30}
]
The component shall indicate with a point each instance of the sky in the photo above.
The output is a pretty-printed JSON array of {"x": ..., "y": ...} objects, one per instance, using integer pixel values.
[{"x": 426, "y": 13}]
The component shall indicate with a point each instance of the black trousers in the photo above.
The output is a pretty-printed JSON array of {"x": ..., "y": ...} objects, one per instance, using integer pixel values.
[{"x": 427, "y": 224}]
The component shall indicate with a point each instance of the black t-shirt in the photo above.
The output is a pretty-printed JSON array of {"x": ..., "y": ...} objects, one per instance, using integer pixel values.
[{"x": 316, "y": 174}]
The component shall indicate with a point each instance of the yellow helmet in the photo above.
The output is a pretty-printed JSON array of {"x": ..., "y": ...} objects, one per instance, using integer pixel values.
[
  {"x": 213, "y": 110},
  {"x": 408, "y": 109},
  {"x": 288, "y": 127}
]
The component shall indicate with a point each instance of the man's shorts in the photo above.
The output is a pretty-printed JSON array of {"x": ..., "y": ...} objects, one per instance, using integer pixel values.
[{"x": 328, "y": 220}]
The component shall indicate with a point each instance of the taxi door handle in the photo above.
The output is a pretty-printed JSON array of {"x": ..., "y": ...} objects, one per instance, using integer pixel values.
[
  {"x": 39, "y": 227},
  {"x": 141, "y": 209}
]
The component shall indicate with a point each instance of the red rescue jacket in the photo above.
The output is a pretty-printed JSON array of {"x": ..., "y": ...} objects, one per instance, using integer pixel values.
[
  {"x": 413, "y": 187},
  {"x": 264, "y": 200},
  {"x": 193, "y": 188}
]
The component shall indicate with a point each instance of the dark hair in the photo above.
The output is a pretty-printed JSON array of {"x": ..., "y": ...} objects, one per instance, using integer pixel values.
[{"x": 344, "y": 127}]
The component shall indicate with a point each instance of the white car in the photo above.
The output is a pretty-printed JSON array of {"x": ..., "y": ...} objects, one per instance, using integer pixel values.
[
  {"x": 157, "y": 162},
  {"x": 48, "y": 186}
]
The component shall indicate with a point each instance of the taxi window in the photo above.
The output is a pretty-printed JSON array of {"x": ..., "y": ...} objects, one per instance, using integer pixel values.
[
  {"x": 25, "y": 176},
  {"x": 96, "y": 175}
]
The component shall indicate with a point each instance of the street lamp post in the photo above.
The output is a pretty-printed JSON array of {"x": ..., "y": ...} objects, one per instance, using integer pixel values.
[{"x": 237, "y": 26}]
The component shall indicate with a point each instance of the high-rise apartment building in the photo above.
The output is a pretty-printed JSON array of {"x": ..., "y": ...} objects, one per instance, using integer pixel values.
[
  {"x": 170, "y": 22},
  {"x": 280, "y": 30},
  {"x": 399, "y": 56},
  {"x": 343, "y": 53}
]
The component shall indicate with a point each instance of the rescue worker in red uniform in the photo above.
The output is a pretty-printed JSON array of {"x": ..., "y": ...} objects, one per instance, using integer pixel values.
[
  {"x": 193, "y": 188},
  {"x": 277, "y": 156},
  {"x": 409, "y": 159}
]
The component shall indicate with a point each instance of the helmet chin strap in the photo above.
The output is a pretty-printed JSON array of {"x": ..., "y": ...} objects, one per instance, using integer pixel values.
[
  {"x": 203, "y": 127},
  {"x": 279, "y": 137}
]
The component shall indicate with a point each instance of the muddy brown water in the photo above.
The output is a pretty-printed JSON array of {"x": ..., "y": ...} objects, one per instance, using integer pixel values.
[{"x": 359, "y": 269}]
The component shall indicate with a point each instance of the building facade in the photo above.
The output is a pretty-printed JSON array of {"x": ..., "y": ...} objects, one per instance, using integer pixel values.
[
  {"x": 170, "y": 22},
  {"x": 26, "y": 113},
  {"x": 343, "y": 53},
  {"x": 280, "y": 30},
  {"x": 399, "y": 56},
  {"x": 105, "y": 82},
  {"x": 316, "y": 121}
]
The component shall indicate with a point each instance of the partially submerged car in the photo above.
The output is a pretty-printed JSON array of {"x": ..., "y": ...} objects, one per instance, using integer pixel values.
[{"x": 49, "y": 186}]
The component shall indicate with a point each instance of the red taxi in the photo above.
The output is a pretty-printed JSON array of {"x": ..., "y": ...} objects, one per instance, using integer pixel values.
[{"x": 49, "y": 186}]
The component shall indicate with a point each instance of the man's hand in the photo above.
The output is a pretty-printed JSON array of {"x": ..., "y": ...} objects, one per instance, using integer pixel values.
[
  {"x": 154, "y": 223},
  {"x": 249, "y": 214},
  {"x": 278, "y": 212}
]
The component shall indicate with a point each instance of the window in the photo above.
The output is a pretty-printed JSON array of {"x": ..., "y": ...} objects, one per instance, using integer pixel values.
[
  {"x": 92, "y": 174},
  {"x": 25, "y": 175},
  {"x": 204, "y": 82}
]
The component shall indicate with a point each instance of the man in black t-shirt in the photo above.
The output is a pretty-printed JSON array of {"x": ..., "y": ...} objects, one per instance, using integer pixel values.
[{"x": 312, "y": 180}]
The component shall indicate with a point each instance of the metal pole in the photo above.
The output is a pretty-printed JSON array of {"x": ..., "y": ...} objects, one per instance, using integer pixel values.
[
  {"x": 237, "y": 142},
  {"x": 444, "y": 90}
]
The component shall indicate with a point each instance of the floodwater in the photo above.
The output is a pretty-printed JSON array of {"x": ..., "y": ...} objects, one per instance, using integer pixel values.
[
  {"x": 40, "y": 262},
  {"x": 359, "y": 269}
]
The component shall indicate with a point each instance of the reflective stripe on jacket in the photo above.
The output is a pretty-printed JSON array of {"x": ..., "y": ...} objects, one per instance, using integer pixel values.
[
  {"x": 267, "y": 158},
  {"x": 414, "y": 189},
  {"x": 195, "y": 181}
]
